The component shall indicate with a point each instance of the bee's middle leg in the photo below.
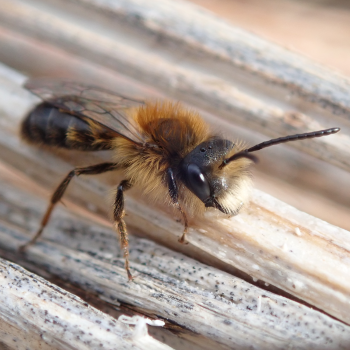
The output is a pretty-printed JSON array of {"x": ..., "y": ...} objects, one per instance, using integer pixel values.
[{"x": 119, "y": 223}]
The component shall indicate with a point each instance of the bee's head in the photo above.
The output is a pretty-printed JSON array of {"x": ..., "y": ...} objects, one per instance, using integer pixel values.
[
  {"x": 225, "y": 188},
  {"x": 216, "y": 170}
]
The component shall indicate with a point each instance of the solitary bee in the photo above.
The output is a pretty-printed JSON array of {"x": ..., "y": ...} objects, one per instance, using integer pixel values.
[{"x": 167, "y": 150}]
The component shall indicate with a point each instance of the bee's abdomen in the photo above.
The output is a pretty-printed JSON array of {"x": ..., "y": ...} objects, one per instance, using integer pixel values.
[{"x": 47, "y": 125}]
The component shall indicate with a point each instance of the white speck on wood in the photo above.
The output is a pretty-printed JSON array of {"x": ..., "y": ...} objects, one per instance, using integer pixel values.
[
  {"x": 258, "y": 308},
  {"x": 140, "y": 324},
  {"x": 297, "y": 231}
]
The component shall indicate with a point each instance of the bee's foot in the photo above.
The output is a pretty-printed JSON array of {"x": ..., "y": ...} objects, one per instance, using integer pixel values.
[
  {"x": 130, "y": 278},
  {"x": 182, "y": 240}
]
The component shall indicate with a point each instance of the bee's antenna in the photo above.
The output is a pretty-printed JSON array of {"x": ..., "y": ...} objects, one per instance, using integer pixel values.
[{"x": 246, "y": 153}]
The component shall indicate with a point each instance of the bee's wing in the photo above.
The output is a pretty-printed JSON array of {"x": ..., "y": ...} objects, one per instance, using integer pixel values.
[{"x": 84, "y": 101}]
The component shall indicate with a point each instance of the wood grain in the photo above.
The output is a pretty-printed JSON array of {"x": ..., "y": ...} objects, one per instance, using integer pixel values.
[
  {"x": 36, "y": 314},
  {"x": 245, "y": 83},
  {"x": 269, "y": 240},
  {"x": 212, "y": 308}
]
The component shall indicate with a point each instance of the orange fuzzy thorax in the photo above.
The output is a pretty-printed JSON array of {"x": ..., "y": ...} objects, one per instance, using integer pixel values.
[{"x": 174, "y": 132}]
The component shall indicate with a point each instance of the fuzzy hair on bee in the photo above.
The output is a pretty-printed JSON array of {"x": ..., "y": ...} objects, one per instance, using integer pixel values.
[
  {"x": 166, "y": 150},
  {"x": 174, "y": 132}
]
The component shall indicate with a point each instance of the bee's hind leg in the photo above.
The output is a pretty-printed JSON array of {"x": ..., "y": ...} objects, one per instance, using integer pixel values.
[
  {"x": 57, "y": 195},
  {"x": 174, "y": 195},
  {"x": 119, "y": 223}
]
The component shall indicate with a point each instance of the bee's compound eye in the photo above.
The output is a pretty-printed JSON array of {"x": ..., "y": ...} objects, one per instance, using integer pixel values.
[{"x": 197, "y": 182}]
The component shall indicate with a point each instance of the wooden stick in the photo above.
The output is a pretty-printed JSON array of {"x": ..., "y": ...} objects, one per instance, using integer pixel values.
[
  {"x": 211, "y": 308},
  {"x": 36, "y": 314},
  {"x": 269, "y": 240}
]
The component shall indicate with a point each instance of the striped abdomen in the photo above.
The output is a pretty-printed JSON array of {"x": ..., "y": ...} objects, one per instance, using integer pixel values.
[{"x": 49, "y": 126}]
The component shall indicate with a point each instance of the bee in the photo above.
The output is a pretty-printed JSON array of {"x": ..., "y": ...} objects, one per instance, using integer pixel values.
[{"x": 162, "y": 147}]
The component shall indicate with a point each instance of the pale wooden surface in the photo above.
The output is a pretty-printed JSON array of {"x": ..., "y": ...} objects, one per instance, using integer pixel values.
[
  {"x": 214, "y": 309},
  {"x": 35, "y": 314},
  {"x": 269, "y": 241},
  {"x": 317, "y": 29}
]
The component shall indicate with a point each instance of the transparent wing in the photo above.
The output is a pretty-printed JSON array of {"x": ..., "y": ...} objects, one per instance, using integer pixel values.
[{"x": 105, "y": 107}]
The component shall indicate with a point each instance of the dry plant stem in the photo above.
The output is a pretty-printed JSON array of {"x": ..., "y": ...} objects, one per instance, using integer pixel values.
[
  {"x": 36, "y": 314},
  {"x": 213, "y": 90},
  {"x": 223, "y": 311},
  {"x": 270, "y": 240}
]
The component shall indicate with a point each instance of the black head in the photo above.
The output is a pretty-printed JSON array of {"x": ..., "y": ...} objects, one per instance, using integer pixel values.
[{"x": 197, "y": 170}]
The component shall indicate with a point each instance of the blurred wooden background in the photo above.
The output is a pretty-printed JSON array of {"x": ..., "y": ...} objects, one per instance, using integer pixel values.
[{"x": 318, "y": 29}]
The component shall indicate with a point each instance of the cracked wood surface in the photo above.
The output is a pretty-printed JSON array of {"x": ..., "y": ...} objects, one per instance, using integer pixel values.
[
  {"x": 35, "y": 314},
  {"x": 249, "y": 82},
  {"x": 269, "y": 240},
  {"x": 212, "y": 308}
]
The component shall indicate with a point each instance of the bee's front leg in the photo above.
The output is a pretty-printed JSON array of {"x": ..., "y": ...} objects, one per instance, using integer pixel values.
[
  {"x": 119, "y": 223},
  {"x": 174, "y": 195}
]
